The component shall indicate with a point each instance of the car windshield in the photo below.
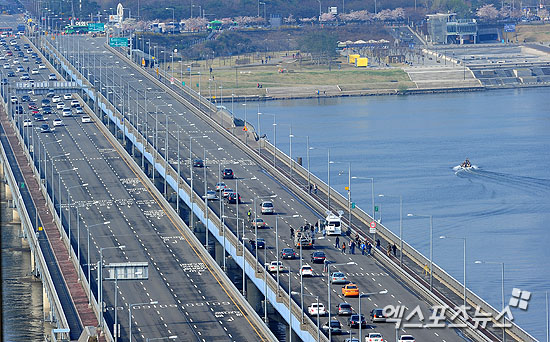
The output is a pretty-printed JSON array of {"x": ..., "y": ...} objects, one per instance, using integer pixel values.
[
  {"x": 345, "y": 306},
  {"x": 338, "y": 274},
  {"x": 352, "y": 287},
  {"x": 287, "y": 250},
  {"x": 267, "y": 204},
  {"x": 375, "y": 335},
  {"x": 335, "y": 324}
]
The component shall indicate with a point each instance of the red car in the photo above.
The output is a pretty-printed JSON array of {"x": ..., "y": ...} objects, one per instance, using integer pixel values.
[{"x": 33, "y": 105}]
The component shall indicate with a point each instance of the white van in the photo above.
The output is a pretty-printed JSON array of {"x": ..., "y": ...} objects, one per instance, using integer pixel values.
[{"x": 333, "y": 225}]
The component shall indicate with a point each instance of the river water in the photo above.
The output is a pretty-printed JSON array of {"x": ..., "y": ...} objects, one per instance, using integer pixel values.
[{"x": 410, "y": 144}]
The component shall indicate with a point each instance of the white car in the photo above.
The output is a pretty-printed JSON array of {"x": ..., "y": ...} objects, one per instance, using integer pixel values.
[
  {"x": 86, "y": 119},
  {"x": 15, "y": 61},
  {"x": 41, "y": 66},
  {"x": 374, "y": 337},
  {"x": 67, "y": 97},
  {"x": 220, "y": 186},
  {"x": 60, "y": 105},
  {"x": 406, "y": 338},
  {"x": 313, "y": 309},
  {"x": 14, "y": 99},
  {"x": 27, "y": 123},
  {"x": 35, "y": 71},
  {"x": 57, "y": 122},
  {"x": 306, "y": 271},
  {"x": 272, "y": 266},
  {"x": 75, "y": 103},
  {"x": 67, "y": 112},
  {"x": 6, "y": 65},
  {"x": 52, "y": 77},
  {"x": 56, "y": 99},
  {"x": 211, "y": 195}
]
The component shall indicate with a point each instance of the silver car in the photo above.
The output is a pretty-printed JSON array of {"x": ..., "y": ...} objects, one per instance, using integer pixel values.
[{"x": 211, "y": 195}]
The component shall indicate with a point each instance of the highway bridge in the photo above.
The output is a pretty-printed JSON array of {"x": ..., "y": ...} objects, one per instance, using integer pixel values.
[{"x": 127, "y": 179}]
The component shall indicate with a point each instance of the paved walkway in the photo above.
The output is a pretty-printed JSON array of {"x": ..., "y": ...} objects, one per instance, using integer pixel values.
[{"x": 78, "y": 295}]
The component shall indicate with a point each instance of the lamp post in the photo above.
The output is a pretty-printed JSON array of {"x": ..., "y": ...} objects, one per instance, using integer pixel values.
[
  {"x": 361, "y": 295},
  {"x": 173, "y": 18},
  {"x": 60, "y": 198},
  {"x": 100, "y": 281},
  {"x": 46, "y": 178},
  {"x": 191, "y": 173},
  {"x": 77, "y": 220},
  {"x": 256, "y": 226},
  {"x": 130, "y": 316},
  {"x": 464, "y": 256},
  {"x": 328, "y": 287},
  {"x": 502, "y": 293},
  {"x": 348, "y": 190},
  {"x": 400, "y": 225},
  {"x": 243, "y": 248},
  {"x": 431, "y": 245},
  {"x": 317, "y": 300},
  {"x": 277, "y": 248},
  {"x": 88, "y": 264}
]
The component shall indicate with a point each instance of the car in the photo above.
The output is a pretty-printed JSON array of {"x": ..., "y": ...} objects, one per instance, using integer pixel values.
[
  {"x": 318, "y": 257},
  {"x": 14, "y": 99},
  {"x": 226, "y": 192},
  {"x": 350, "y": 290},
  {"x": 35, "y": 71},
  {"x": 258, "y": 222},
  {"x": 27, "y": 123},
  {"x": 47, "y": 110},
  {"x": 13, "y": 42},
  {"x": 227, "y": 173},
  {"x": 15, "y": 61},
  {"x": 57, "y": 122},
  {"x": 25, "y": 59},
  {"x": 338, "y": 278},
  {"x": 211, "y": 195},
  {"x": 20, "y": 54},
  {"x": 24, "y": 77},
  {"x": 377, "y": 315},
  {"x": 9, "y": 53},
  {"x": 79, "y": 110},
  {"x": 198, "y": 163},
  {"x": 60, "y": 105},
  {"x": 56, "y": 99},
  {"x": 233, "y": 198},
  {"x": 220, "y": 186},
  {"x": 45, "y": 102},
  {"x": 38, "y": 117},
  {"x": 355, "y": 319},
  {"x": 19, "y": 68},
  {"x": 25, "y": 98},
  {"x": 288, "y": 253},
  {"x": 66, "y": 112},
  {"x": 335, "y": 327},
  {"x": 50, "y": 93},
  {"x": 11, "y": 74},
  {"x": 306, "y": 271},
  {"x": 374, "y": 337},
  {"x": 315, "y": 308},
  {"x": 75, "y": 103},
  {"x": 274, "y": 265},
  {"x": 352, "y": 339},
  {"x": 32, "y": 105},
  {"x": 19, "y": 109},
  {"x": 34, "y": 55},
  {"x": 29, "y": 50},
  {"x": 4, "y": 81},
  {"x": 67, "y": 97},
  {"x": 406, "y": 338},
  {"x": 52, "y": 77},
  {"x": 6, "y": 66},
  {"x": 45, "y": 128},
  {"x": 344, "y": 309},
  {"x": 41, "y": 66},
  {"x": 261, "y": 243},
  {"x": 86, "y": 119},
  {"x": 267, "y": 207}
]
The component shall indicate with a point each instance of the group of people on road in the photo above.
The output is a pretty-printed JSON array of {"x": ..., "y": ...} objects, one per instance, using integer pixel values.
[{"x": 364, "y": 245}]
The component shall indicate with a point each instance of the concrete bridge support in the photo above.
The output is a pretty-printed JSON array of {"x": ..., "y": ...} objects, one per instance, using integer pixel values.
[{"x": 46, "y": 305}]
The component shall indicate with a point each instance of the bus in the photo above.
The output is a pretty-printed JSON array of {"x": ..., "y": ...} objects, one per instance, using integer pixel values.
[
  {"x": 6, "y": 31},
  {"x": 71, "y": 29}
]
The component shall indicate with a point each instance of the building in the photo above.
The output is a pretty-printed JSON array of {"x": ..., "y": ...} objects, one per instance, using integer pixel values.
[{"x": 444, "y": 28}]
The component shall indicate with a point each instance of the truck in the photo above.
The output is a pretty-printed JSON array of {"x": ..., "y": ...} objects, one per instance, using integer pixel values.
[
  {"x": 333, "y": 224},
  {"x": 304, "y": 237}
]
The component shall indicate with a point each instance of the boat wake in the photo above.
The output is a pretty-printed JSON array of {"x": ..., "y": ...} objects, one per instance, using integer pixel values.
[{"x": 530, "y": 184}]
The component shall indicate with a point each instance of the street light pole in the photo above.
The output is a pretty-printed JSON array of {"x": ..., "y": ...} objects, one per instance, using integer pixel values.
[
  {"x": 400, "y": 226},
  {"x": 502, "y": 294},
  {"x": 100, "y": 281}
]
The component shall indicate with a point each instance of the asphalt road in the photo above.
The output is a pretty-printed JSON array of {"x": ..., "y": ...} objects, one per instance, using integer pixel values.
[
  {"x": 160, "y": 111},
  {"x": 192, "y": 303}
]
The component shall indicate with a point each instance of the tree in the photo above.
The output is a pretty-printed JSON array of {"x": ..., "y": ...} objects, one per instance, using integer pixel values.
[
  {"x": 320, "y": 45},
  {"x": 487, "y": 12},
  {"x": 327, "y": 17}
]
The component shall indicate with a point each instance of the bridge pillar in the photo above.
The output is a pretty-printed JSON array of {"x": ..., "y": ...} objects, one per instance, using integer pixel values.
[
  {"x": 7, "y": 191},
  {"x": 219, "y": 254},
  {"x": 254, "y": 296},
  {"x": 46, "y": 305},
  {"x": 15, "y": 215},
  {"x": 34, "y": 268}
]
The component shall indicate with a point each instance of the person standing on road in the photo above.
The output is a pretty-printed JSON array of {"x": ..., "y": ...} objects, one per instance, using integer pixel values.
[
  {"x": 363, "y": 247},
  {"x": 394, "y": 250},
  {"x": 378, "y": 243},
  {"x": 249, "y": 214},
  {"x": 325, "y": 265},
  {"x": 369, "y": 249},
  {"x": 352, "y": 247},
  {"x": 291, "y": 232},
  {"x": 343, "y": 248},
  {"x": 337, "y": 242}
]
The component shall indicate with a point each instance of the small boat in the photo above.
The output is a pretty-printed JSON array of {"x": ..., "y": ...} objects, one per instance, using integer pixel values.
[{"x": 466, "y": 164}]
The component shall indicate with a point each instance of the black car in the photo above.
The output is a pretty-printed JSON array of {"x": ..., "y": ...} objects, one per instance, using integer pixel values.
[
  {"x": 288, "y": 253},
  {"x": 25, "y": 98},
  {"x": 11, "y": 74},
  {"x": 353, "y": 321},
  {"x": 261, "y": 243},
  {"x": 45, "y": 102},
  {"x": 335, "y": 327},
  {"x": 19, "y": 109},
  {"x": 198, "y": 163},
  {"x": 38, "y": 117},
  {"x": 50, "y": 93},
  {"x": 233, "y": 197},
  {"x": 318, "y": 257},
  {"x": 227, "y": 173},
  {"x": 20, "y": 54},
  {"x": 45, "y": 128},
  {"x": 377, "y": 315},
  {"x": 4, "y": 81},
  {"x": 47, "y": 110}
]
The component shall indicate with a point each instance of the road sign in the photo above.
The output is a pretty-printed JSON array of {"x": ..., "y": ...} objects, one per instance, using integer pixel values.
[
  {"x": 373, "y": 224},
  {"x": 372, "y": 230},
  {"x": 182, "y": 83},
  {"x": 376, "y": 208},
  {"x": 352, "y": 205},
  {"x": 171, "y": 80},
  {"x": 346, "y": 188},
  {"x": 96, "y": 27},
  {"x": 118, "y": 41}
]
